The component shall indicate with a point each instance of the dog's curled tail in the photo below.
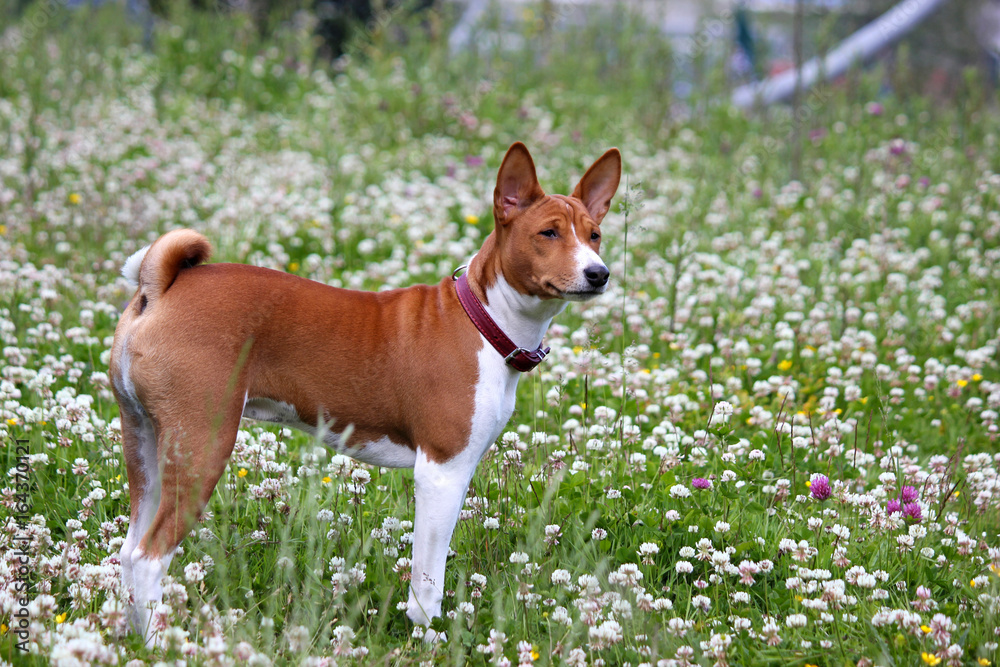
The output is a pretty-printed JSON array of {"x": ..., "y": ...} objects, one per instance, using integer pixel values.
[{"x": 154, "y": 268}]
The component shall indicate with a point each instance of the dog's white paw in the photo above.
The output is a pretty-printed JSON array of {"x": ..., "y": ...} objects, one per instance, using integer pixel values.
[{"x": 434, "y": 637}]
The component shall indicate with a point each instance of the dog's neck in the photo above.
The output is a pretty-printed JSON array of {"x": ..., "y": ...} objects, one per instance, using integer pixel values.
[{"x": 524, "y": 318}]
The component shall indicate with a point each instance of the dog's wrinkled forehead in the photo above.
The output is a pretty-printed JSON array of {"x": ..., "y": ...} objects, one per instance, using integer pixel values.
[{"x": 562, "y": 205}]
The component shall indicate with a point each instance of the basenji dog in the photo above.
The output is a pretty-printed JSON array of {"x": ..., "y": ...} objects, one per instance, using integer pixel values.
[{"x": 424, "y": 377}]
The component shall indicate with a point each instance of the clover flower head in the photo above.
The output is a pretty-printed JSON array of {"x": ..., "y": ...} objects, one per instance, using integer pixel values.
[{"x": 819, "y": 488}]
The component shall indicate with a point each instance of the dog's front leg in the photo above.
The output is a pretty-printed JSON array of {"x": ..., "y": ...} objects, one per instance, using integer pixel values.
[{"x": 440, "y": 490}]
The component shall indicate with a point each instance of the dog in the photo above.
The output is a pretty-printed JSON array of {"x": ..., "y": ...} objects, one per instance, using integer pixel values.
[{"x": 425, "y": 377}]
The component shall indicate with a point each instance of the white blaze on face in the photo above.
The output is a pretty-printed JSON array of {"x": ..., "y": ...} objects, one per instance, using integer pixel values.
[{"x": 586, "y": 258}]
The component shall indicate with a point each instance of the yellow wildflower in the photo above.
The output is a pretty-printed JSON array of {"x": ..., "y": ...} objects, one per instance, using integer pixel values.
[
  {"x": 242, "y": 472},
  {"x": 3, "y": 230},
  {"x": 976, "y": 378},
  {"x": 926, "y": 629},
  {"x": 472, "y": 219},
  {"x": 74, "y": 198},
  {"x": 61, "y": 618},
  {"x": 961, "y": 383},
  {"x": 327, "y": 480},
  {"x": 12, "y": 422},
  {"x": 930, "y": 659},
  {"x": 984, "y": 662},
  {"x": 784, "y": 365},
  {"x": 293, "y": 266}
]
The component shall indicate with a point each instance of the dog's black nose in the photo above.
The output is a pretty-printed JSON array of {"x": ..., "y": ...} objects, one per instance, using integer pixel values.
[{"x": 597, "y": 275}]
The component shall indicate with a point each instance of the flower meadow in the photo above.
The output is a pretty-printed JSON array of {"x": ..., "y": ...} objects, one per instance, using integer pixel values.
[{"x": 773, "y": 441}]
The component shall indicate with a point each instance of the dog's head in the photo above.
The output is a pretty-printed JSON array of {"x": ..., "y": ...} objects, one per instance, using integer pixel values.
[{"x": 550, "y": 243}]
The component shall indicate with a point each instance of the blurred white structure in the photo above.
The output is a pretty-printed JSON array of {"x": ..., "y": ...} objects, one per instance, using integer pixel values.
[
  {"x": 676, "y": 18},
  {"x": 859, "y": 47}
]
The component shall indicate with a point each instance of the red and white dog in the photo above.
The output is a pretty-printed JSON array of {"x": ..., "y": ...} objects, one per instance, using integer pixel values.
[{"x": 426, "y": 376}]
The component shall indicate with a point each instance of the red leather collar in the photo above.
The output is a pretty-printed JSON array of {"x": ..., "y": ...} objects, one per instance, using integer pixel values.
[{"x": 516, "y": 357}]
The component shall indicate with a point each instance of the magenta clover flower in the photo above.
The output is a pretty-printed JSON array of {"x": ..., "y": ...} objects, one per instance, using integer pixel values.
[
  {"x": 911, "y": 512},
  {"x": 819, "y": 487},
  {"x": 701, "y": 483}
]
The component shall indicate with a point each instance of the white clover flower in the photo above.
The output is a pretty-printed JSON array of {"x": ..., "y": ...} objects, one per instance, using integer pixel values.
[
  {"x": 701, "y": 602},
  {"x": 722, "y": 413},
  {"x": 796, "y": 620},
  {"x": 194, "y": 572},
  {"x": 561, "y": 577},
  {"x": 680, "y": 491}
]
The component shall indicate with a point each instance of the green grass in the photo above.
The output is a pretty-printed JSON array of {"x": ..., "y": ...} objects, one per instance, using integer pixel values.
[{"x": 850, "y": 319}]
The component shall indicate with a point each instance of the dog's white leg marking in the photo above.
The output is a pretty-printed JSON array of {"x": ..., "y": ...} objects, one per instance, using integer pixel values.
[
  {"x": 149, "y": 493},
  {"x": 148, "y": 503},
  {"x": 440, "y": 488},
  {"x": 440, "y": 491},
  {"x": 148, "y": 574}
]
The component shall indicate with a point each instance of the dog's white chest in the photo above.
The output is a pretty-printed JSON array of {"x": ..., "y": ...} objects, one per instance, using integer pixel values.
[{"x": 496, "y": 390}]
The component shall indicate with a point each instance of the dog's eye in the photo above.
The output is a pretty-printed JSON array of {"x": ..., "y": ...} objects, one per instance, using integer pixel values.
[
  {"x": 594, "y": 236},
  {"x": 551, "y": 233}
]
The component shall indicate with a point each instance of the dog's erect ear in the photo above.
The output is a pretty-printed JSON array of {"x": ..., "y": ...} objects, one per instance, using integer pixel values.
[
  {"x": 517, "y": 185},
  {"x": 599, "y": 184}
]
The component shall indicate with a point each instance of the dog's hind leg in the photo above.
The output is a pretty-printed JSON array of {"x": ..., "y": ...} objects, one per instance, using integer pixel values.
[
  {"x": 193, "y": 448},
  {"x": 139, "y": 447}
]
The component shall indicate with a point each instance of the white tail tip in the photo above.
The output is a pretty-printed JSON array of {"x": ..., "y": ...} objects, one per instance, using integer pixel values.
[{"x": 131, "y": 269}]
